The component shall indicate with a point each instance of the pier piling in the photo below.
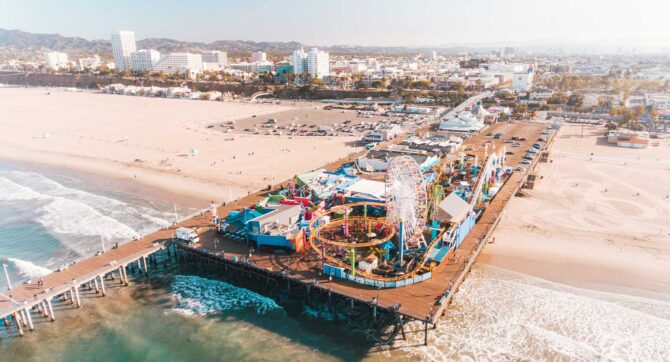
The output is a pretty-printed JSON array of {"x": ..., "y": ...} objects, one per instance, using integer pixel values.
[
  {"x": 102, "y": 286},
  {"x": 17, "y": 320},
  {"x": 76, "y": 293},
  {"x": 31, "y": 326},
  {"x": 44, "y": 309},
  {"x": 51, "y": 310}
]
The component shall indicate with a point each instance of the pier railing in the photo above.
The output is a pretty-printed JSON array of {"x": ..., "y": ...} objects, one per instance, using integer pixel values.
[{"x": 76, "y": 282}]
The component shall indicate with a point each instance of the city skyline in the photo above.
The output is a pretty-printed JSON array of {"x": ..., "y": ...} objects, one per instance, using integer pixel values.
[{"x": 428, "y": 23}]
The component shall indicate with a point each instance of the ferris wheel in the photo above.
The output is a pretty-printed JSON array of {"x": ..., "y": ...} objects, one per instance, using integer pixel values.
[{"x": 406, "y": 198}]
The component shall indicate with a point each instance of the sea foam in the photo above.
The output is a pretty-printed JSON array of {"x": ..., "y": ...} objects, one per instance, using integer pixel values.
[
  {"x": 28, "y": 269},
  {"x": 66, "y": 210},
  {"x": 10, "y": 190},
  {"x": 204, "y": 296},
  {"x": 65, "y": 216},
  {"x": 501, "y": 315}
]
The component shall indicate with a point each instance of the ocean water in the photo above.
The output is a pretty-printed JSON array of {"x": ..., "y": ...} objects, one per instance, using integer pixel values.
[
  {"x": 45, "y": 222},
  {"x": 47, "y": 219}
]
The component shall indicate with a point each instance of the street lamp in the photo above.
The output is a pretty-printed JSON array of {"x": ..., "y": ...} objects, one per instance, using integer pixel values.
[{"x": 9, "y": 283}]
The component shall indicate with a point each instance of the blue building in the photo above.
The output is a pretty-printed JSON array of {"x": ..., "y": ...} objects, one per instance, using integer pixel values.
[{"x": 278, "y": 228}]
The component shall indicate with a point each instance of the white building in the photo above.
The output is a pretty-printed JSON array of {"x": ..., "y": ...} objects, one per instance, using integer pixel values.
[
  {"x": 507, "y": 67},
  {"x": 299, "y": 61},
  {"x": 358, "y": 66},
  {"x": 660, "y": 101},
  {"x": 262, "y": 67},
  {"x": 383, "y": 132},
  {"x": 541, "y": 94},
  {"x": 215, "y": 56},
  {"x": 180, "y": 63},
  {"x": 259, "y": 57},
  {"x": 87, "y": 63},
  {"x": 318, "y": 63},
  {"x": 144, "y": 59},
  {"x": 243, "y": 67},
  {"x": 465, "y": 122},
  {"x": 55, "y": 60},
  {"x": 123, "y": 45},
  {"x": 522, "y": 81}
]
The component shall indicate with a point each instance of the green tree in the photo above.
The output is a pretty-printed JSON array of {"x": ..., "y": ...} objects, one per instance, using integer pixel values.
[
  {"x": 558, "y": 98},
  {"x": 421, "y": 84},
  {"x": 360, "y": 85},
  {"x": 575, "y": 100}
]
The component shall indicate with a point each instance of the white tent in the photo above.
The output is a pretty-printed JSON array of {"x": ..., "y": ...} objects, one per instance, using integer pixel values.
[
  {"x": 368, "y": 189},
  {"x": 452, "y": 209}
]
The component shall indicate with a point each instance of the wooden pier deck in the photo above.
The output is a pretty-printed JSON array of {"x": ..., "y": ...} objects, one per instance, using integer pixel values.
[
  {"x": 421, "y": 301},
  {"x": 22, "y": 298},
  {"x": 424, "y": 301}
]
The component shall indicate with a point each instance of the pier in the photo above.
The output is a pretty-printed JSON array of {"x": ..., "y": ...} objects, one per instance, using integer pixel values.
[
  {"x": 426, "y": 301},
  {"x": 108, "y": 267}
]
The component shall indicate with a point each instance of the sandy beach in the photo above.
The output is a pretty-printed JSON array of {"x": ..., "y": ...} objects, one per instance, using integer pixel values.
[
  {"x": 599, "y": 218},
  {"x": 161, "y": 143}
]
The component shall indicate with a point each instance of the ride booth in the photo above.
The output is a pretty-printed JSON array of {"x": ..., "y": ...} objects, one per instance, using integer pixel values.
[
  {"x": 455, "y": 211},
  {"x": 278, "y": 229}
]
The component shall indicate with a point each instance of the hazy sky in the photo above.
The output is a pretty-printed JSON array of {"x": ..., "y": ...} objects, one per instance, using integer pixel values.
[{"x": 360, "y": 22}]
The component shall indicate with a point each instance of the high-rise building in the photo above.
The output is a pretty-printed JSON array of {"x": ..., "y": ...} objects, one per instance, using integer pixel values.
[
  {"x": 123, "y": 45},
  {"x": 318, "y": 63},
  {"x": 55, "y": 60},
  {"x": 144, "y": 59},
  {"x": 259, "y": 57},
  {"x": 299, "y": 60},
  {"x": 522, "y": 81},
  {"x": 215, "y": 56}
]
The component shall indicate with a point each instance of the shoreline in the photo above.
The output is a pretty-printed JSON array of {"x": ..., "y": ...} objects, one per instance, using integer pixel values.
[
  {"x": 104, "y": 181},
  {"x": 161, "y": 186}
]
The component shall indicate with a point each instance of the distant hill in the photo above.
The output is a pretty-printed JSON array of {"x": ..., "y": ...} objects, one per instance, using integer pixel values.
[
  {"x": 21, "y": 40},
  {"x": 24, "y": 41}
]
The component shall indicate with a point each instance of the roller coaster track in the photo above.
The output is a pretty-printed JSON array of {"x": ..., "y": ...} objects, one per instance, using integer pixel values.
[
  {"x": 347, "y": 244},
  {"x": 410, "y": 274}
]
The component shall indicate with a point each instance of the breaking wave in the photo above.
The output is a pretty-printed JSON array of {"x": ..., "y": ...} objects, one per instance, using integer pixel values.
[
  {"x": 27, "y": 269},
  {"x": 65, "y": 216},
  {"x": 65, "y": 210},
  {"x": 10, "y": 191},
  {"x": 196, "y": 295}
]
